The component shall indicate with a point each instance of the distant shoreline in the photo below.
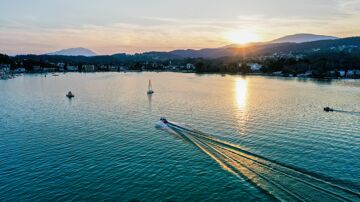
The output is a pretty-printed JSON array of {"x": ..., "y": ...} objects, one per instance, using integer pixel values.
[{"x": 14, "y": 75}]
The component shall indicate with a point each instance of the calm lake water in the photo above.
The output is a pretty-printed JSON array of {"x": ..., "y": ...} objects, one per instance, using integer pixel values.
[{"x": 103, "y": 145}]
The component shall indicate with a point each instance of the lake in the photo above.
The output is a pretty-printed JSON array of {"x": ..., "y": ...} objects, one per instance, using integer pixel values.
[{"x": 102, "y": 144}]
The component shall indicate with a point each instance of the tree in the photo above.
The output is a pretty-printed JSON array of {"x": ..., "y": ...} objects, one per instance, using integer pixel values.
[
  {"x": 200, "y": 67},
  {"x": 244, "y": 68}
]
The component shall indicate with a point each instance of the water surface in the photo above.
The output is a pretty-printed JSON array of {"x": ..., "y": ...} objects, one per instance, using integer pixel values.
[{"x": 103, "y": 144}]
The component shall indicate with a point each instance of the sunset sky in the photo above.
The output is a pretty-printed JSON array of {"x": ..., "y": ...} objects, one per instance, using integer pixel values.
[{"x": 113, "y": 26}]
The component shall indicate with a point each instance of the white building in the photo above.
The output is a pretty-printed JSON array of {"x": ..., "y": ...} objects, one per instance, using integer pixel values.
[
  {"x": 3, "y": 75},
  {"x": 36, "y": 69},
  {"x": 72, "y": 68},
  {"x": 49, "y": 69},
  {"x": 279, "y": 73},
  {"x": 342, "y": 73},
  {"x": 350, "y": 73},
  {"x": 190, "y": 66},
  {"x": 123, "y": 68},
  {"x": 254, "y": 66},
  {"x": 5, "y": 68},
  {"x": 4, "y": 71},
  {"x": 88, "y": 68},
  {"x": 20, "y": 70},
  {"x": 306, "y": 74},
  {"x": 60, "y": 64},
  {"x": 113, "y": 68}
]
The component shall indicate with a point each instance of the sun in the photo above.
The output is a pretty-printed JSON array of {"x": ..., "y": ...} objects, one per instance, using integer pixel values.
[{"x": 242, "y": 37}]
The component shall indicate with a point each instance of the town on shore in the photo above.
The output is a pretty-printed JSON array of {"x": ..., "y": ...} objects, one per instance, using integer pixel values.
[
  {"x": 328, "y": 66},
  {"x": 323, "y": 58}
]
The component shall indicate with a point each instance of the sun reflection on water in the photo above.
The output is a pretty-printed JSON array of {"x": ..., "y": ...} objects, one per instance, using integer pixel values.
[{"x": 241, "y": 92}]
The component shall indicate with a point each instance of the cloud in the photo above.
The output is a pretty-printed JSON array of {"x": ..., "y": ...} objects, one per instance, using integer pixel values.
[
  {"x": 123, "y": 26},
  {"x": 118, "y": 37}
]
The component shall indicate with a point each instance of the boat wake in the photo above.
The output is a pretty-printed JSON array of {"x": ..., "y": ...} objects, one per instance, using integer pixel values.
[
  {"x": 283, "y": 182},
  {"x": 348, "y": 112}
]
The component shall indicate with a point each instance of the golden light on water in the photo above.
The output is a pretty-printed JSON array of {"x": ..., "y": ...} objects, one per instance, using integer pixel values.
[
  {"x": 241, "y": 92},
  {"x": 242, "y": 37}
]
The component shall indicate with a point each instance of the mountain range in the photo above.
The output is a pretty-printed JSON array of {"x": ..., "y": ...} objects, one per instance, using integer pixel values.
[
  {"x": 297, "y": 43},
  {"x": 301, "y": 38},
  {"x": 263, "y": 49},
  {"x": 74, "y": 52}
]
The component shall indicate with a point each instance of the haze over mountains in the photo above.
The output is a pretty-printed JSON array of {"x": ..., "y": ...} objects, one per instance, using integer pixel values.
[
  {"x": 74, "y": 52},
  {"x": 301, "y": 38}
]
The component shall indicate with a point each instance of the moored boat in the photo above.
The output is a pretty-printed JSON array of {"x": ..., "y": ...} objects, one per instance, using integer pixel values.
[
  {"x": 150, "y": 90},
  {"x": 70, "y": 95}
]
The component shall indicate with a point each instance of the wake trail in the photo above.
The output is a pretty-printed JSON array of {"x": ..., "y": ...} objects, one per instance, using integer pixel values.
[
  {"x": 280, "y": 181},
  {"x": 355, "y": 113}
]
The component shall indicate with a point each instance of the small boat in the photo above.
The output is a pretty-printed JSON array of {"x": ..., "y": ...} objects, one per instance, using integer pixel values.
[
  {"x": 162, "y": 119},
  {"x": 150, "y": 90},
  {"x": 162, "y": 124},
  {"x": 328, "y": 109},
  {"x": 70, "y": 95}
]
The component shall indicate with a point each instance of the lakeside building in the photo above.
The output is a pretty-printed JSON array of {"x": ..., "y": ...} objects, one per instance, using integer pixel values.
[
  {"x": 276, "y": 56},
  {"x": 255, "y": 67},
  {"x": 4, "y": 71},
  {"x": 279, "y": 73},
  {"x": 123, "y": 68},
  {"x": 103, "y": 68},
  {"x": 49, "y": 69},
  {"x": 61, "y": 66},
  {"x": 72, "y": 68},
  {"x": 190, "y": 66},
  {"x": 36, "y": 69},
  {"x": 5, "y": 68},
  {"x": 342, "y": 73},
  {"x": 306, "y": 74},
  {"x": 88, "y": 68},
  {"x": 113, "y": 68},
  {"x": 3, "y": 75},
  {"x": 352, "y": 72},
  {"x": 349, "y": 73},
  {"x": 19, "y": 70}
]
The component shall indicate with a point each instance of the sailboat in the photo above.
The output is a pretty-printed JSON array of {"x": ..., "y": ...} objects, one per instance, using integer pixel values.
[{"x": 150, "y": 90}]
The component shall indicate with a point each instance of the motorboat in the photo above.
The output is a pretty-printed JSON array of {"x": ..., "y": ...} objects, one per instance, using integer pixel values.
[
  {"x": 162, "y": 124},
  {"x": 150, "y": 90},
  {"x": 328, "y": 109},
  {"x": 162, "y": 119},
  {"x": 70, "y": 95}
]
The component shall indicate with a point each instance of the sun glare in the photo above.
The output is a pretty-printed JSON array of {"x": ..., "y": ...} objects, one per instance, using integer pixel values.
[
  {"x": 241, "y": 37},
  {"x": 241, "y": 92}
]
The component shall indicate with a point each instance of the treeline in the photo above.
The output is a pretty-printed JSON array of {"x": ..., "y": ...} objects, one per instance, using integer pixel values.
[
  {"x": 318, "y": 63},
  {"x": 5, "y": 59},
  {"x": 224, "y": 65}
]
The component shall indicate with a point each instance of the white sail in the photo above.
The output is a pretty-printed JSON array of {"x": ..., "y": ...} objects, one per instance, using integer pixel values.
[
  {"x": 149, "y": 86},
  {"x": 150, "y": 90}
]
